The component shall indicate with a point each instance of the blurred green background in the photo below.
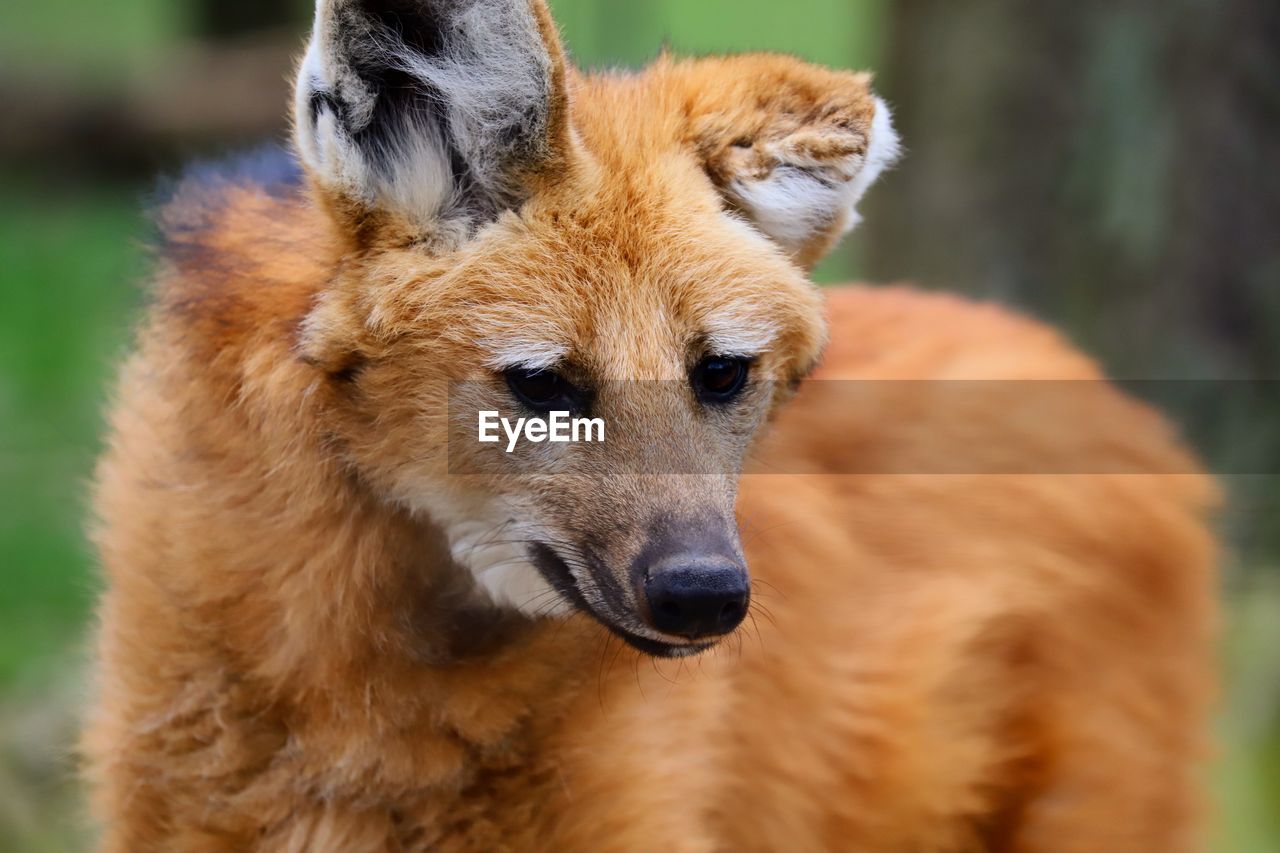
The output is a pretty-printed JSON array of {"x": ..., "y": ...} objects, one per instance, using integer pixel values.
[{"x": 1113, "y": 168}]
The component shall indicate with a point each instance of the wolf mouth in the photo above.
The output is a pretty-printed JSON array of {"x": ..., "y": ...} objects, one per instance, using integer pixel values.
[{"x": 557, "y": 573}]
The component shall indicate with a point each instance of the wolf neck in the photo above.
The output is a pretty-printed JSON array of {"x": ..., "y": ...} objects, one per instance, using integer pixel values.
[
  {"x": 356, "y": 615},
  {"x": 391, "y": 648},
  {"x": 389, "y": 594}
]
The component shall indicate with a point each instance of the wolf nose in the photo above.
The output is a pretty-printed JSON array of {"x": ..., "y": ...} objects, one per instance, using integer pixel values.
[{"x": 696, "y": 599}]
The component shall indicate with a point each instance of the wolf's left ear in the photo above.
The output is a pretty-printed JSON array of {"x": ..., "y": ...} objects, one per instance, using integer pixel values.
[
  {"x": 791, "y": 146},
  {"x": 442, "y": 111}
]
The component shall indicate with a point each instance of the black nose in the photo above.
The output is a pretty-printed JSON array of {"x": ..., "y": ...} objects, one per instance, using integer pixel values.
[{"x": 697, "y": 598}]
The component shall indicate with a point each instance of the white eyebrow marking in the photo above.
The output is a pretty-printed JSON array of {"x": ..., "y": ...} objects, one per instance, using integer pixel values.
[
  {"x": 528, "y": 353},
  {"x": 738, "y": 332}
]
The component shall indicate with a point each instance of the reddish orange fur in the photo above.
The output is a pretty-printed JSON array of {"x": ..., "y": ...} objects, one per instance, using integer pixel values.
[{"x": 953, "y": 662}]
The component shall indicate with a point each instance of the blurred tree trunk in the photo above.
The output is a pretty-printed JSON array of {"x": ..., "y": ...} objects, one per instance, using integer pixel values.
[
  {"x": 219, "y": 19},
  {"x": 1113, "y": 167}
]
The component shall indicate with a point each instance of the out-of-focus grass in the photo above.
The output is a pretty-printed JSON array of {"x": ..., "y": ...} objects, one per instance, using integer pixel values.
[
  {"x": 1246, "y": 778},
  {"x": 68, "y": 272},
  {"x": 88, "y": 39},
  {"x": 40, "y": 802},
  {"x": 841, "y": 33}
]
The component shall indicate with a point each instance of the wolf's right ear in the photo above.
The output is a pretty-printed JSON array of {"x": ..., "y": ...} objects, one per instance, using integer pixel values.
[{"x": 443, "y": 111}]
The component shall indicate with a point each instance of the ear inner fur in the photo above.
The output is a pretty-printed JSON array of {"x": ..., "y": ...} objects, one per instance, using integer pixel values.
[
  {"x": 437, "y": 112},
  {"x": 791, "y": 146}
]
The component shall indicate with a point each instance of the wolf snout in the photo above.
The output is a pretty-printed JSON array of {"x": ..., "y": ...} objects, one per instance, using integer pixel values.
[{"x": 697, "y": 597}]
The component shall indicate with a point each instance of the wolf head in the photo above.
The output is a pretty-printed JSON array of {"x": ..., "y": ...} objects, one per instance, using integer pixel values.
[{"x": 521, "y": 238}]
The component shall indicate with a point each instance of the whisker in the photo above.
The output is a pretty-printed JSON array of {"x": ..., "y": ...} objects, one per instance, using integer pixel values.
[
  {"x": 764, "y": 611},
  {"x": 604, "y": 649},
  {"x": 654, "y": 663},
  {"x": 756, "y": 627},
  {"x": 620, "y": 646},
  {"x": 635, "y": 671},
  {"x": 771, "y": 586}
]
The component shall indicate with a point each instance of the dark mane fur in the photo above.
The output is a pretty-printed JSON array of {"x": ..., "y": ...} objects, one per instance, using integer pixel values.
[{"x": 231, "y": 236}]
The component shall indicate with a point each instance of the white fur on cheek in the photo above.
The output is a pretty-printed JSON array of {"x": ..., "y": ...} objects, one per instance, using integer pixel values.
[
  {"x": 489, "y": 544},
  {"x": 501, "y": 567}
]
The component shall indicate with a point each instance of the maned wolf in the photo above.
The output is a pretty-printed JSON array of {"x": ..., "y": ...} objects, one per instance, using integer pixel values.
[{"x": 330, "y": 624}]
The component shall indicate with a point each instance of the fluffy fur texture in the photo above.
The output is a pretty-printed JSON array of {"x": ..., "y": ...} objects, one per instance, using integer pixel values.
[
  {"x": 796, "y": 188},
  {"x": 314, "y": 637},
  {"x": 423, "y": 107}
]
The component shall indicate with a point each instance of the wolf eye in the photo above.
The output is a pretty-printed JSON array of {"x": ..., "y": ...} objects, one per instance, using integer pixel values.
[
  {"x": 542, "y": 390},
  {"x": 718, "y": 379}
]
